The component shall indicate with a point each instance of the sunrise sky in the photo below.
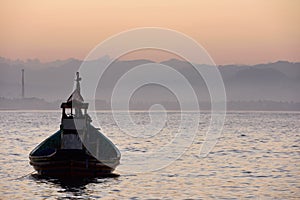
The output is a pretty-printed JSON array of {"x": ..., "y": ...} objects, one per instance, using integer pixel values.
[{"x": 232, "y": 31}]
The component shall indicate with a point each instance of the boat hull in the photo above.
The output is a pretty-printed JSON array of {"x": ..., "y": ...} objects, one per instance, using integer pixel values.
[
  {"x": 48, "y": 159},
  {"x": 71, "y": 163}
]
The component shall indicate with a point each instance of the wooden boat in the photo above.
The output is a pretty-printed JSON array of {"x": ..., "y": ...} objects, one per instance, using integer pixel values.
[{"x": 78, "y": 149}]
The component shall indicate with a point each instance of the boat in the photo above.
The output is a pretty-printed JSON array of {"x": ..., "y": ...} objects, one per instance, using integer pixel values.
[{"x": 77, "y": 149}]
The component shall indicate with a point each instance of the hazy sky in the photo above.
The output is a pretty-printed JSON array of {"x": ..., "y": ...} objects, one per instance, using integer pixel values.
[{"x": 232, "y": 31}]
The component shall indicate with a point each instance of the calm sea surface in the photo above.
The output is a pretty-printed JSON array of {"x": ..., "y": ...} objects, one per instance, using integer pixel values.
[{"x": 256, "y": 157}]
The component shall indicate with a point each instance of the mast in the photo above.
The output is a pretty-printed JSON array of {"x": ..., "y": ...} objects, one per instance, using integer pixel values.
[
  {"x": 23, "y": 84},
  {"x": 76, "y": 96},
  {"x": 77, "y": 82}
]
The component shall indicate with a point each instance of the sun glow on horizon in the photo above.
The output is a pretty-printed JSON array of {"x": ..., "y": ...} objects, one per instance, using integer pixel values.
[{"x": 247, "y": 32}]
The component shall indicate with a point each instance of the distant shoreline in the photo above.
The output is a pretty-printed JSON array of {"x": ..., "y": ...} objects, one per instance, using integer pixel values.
[
  {"x": 228, "y": 112},
  {"x": 169, "y": 107},
  {"x": 102, "y": 105}
]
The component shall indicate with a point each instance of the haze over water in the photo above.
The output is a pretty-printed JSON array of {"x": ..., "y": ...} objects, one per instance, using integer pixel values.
[{"x": 257, "y": 157}]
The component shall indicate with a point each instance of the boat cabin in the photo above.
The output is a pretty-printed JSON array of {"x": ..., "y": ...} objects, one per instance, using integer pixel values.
[{"x": 74, "y": 119}]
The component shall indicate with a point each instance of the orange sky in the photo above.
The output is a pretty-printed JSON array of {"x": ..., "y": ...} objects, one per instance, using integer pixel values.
[{"x": 232, "y": 31}]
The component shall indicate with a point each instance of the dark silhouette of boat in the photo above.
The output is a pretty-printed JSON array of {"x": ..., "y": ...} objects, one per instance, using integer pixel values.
[{"x": 78, "y": 149}]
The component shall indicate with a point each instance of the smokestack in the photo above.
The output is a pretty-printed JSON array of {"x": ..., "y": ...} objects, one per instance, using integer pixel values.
[{"x": 23, "y": 87}]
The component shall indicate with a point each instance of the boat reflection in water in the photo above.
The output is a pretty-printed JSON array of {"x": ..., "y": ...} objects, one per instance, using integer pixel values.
[
  {"x": 74, "y": 184},
  {"x": 64, "y": 155}
]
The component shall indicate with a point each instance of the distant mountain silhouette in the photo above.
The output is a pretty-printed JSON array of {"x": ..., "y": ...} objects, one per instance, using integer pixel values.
[
  {"x": 279, "y": 81},
  {"x": 252, "y": 75}
]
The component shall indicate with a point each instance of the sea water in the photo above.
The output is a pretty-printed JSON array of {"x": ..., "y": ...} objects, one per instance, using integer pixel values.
[{"x": 257, "y": 156}]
